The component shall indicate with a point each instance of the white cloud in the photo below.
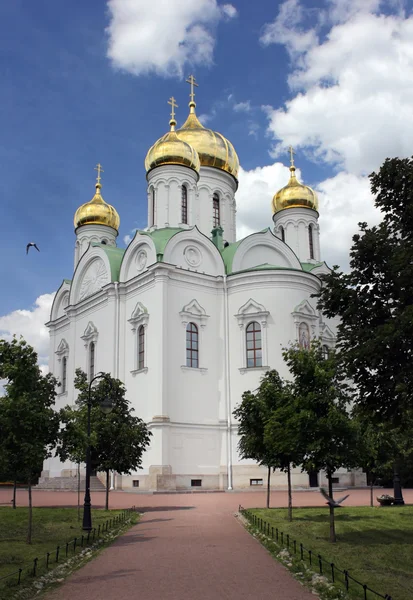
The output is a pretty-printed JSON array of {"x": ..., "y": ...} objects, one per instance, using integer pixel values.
[
  {"x": 163, "y": 37},
  {"x": 344, "y": 201},
  {"x": 352, "y": 91},
  {"x": 243, "y": 106},
  {"x": 30, "y": 323}
]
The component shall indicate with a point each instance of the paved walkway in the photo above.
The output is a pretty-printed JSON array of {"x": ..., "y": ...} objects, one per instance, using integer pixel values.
[{"x": 187, "y": 546}]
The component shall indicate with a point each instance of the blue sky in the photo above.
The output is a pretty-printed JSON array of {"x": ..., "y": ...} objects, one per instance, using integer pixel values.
[{"x": 87, "y": 82}]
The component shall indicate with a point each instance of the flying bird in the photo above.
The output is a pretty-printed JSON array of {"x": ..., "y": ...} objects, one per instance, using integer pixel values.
[
  {"x": 29, "y": 245},
  {"x": 330, "y": 501}
]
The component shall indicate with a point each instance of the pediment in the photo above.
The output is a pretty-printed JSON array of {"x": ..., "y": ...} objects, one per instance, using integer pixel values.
[
  {"x": 90, "y": 331},
  {"x": 194, "y": 308},
  {"x": 251, "y": 307},
  {"x": 326, "y": 333},
  {"x": 304, "y": 310},
  {"x": 139, "y": 316},
  {"x": 63, "y": 347}
]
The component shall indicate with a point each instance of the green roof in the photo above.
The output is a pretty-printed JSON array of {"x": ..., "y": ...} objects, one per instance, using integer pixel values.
[
  {"x": 310, "y": 266},
  {"x": 160, "y": 238},
  {"x": 228, "y": 254},
  {"x": 67, "y": 281},
  {"x": 115, "y": 256}
]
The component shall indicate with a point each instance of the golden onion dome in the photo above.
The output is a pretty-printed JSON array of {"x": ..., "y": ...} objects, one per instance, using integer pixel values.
[
  {"x": 294, "y": 195},
  {"x": 97, "y": 211},
  {"x": 213, "y": 148},
  {"x": 170, "y": 150}
]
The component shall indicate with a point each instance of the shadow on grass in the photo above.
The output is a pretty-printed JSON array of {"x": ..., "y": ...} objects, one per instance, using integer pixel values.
[
  {"x": 339, "y": 517},
  {"x": 376, "y": 537}
]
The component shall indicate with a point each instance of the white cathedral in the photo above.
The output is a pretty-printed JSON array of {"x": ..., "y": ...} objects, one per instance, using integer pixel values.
[{"x": 187, "y": 316}]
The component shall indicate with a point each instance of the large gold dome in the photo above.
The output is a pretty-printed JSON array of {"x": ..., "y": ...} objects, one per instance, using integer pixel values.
[
  {"x": 214, "y": 149},
  {"x": 170, "y": 150},
  {"x": 294, "y": 195},
  {"x": 97, "y": 212}
]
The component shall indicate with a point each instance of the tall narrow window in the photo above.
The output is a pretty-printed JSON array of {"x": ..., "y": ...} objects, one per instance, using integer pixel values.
[
  {"x": 91, "y": 361},
  {"x": 64, "y": 374},
  {"x": 304, "y": 336},
  {"x": 184, "y": 204},
  {"x": 310, "y": 240},
  {"x": 153, "y": 199},
  {"x": 282, "y": 232},
  {"x": 192, "y": 343},
  {"x": 141, "y": 347},
  {"x": 325, "y": 352},
  {"x": 254, "y": 345},
  {"x": 216, "y": 220}
]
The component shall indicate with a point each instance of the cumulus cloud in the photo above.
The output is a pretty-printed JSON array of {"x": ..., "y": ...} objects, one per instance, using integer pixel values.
[
  {"x": 30, "y": 323},
  {"x": 351, "y": 87},
  {"x": 344, "y": 200},
  {"x": 163, "y": 37}
]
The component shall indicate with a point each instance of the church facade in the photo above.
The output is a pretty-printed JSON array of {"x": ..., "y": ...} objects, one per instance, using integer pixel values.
[{"x": 187, "y": 316}]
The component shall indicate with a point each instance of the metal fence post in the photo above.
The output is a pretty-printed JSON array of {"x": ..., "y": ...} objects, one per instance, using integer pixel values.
[
  {"x": 332, "y": 571},
  {"x": 19, "y": 577},
  {"x": 34, "y": 567},
  {"x": 301, "y": 551},
  {"x": 346, "y": 579},
  {"x": 309, "y": 554},
  {"x": 320, "y": 564},
  {"x": 47, "y": 559}
]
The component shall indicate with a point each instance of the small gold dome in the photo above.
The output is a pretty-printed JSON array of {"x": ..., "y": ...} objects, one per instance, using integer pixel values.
[
  {"x": 294, "y": 195},
  {"x": 213, "y": 148},
  {"x": 97, "y": 212},
  {"x": 170, "y": 150}
]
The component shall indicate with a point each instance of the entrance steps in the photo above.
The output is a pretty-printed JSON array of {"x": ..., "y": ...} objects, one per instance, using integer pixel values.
[{"x": 69, "y": 484}]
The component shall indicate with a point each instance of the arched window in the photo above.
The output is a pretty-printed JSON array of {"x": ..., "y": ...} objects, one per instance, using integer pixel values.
[
  {"x": 64, "y": 374},
  {"x": 216, "y": 220},
  {"x": 153, "y": 199},
  {"x": 192, "y": 345},
  {"x": 254, "y": 345},
  {"x": 91, "y": 361},
  {"x": 310, "y": 240},
  {"x": 282, "y": 232},
  {"x": 325, "y": 352},
  {"x": 141, "y": 347},
  {"x": 304, "y": 336},
  {"x": 184, "y": 204}
]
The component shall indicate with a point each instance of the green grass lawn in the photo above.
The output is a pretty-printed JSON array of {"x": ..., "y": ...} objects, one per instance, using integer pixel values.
[
  {"x": 374, "y": 544},
  {"x": 51, "y": 527}
]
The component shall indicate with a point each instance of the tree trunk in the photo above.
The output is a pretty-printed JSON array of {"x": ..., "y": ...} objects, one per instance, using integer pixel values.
[
  {"x": 78, "y": 491},
  {"x": 107, "y": 488},
  {"x": 268, "y": 487},
  {"x": 14, "y": 493},
  {"x": 332, "y": 521},
  {"x": 290, "y": 496},
  {"x": 371, "y": 492},
  {"x": 29, "y": 529}
]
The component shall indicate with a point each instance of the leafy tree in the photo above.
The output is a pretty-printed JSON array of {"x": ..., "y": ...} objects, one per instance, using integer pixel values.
[
  {"x": 375, "y": 303},
  {"x": 326, "y": 432},
  {"x": 28, "y": 422},
  {"x": 118, "y": 440},
  {"x": 375, "y": 300},
  {"x": 253, "y": 414}
]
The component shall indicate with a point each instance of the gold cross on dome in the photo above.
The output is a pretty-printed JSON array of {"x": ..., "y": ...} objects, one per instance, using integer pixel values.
[
  {"x": 192, "y": 83},
  {"x": 174, "y": 105},
  {"x": 291, "y": 151},
  {"x": 99, "y": 169}
]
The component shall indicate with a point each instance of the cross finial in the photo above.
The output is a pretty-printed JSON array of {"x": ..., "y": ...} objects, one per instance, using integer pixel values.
[
  {"x": 174, "y": 105},
  {"x": 291, "y": 151},
  {"x": 99, "y": 169},
  {"x": 192, "y": 83}
]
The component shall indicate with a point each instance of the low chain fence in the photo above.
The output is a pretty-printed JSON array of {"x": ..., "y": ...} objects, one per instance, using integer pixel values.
[
  {"x": 64, "y": 551},
  {"x": 315, "y": 560}
]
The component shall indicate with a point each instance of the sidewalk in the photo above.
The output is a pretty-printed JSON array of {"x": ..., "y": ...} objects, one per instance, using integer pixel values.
[{"x": 194, "y": 549}]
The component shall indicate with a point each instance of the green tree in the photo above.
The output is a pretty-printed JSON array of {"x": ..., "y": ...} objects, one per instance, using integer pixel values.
[
  {"x": 28, "y": 421},
  {"x": 252, "y": 415},
  {"x": 327, "y": 434},
  {"x": 375, "y": 301},
  {"x": 118, "y": 440}
]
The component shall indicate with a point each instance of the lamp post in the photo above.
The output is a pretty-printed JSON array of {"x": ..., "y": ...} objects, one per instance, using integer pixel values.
[{"x": 106, "y": 406}]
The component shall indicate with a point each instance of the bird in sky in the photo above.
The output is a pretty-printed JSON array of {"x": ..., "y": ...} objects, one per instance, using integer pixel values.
[
  {"x": 31, "y": 244},
  {"x": 331, "y": 502}
]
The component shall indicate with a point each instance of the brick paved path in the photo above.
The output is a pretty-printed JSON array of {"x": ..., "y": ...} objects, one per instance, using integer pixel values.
[{"x": 187, "y": 546}]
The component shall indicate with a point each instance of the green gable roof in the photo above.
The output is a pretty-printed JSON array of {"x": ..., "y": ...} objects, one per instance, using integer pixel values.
[
  {"x": 115, "y": 256},
  {"x": 160, "y": 238},
  {"x": 310, "y": 266}
]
